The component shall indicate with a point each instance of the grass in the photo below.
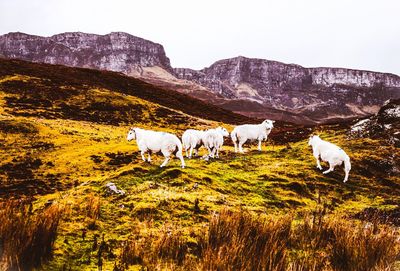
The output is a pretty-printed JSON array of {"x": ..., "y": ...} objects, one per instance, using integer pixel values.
[
  {"x": 86, "y": 156},
  {"x": 177, "y": 218},
  {"x": 239, "y": 240},
  {"x": 27, "y": 239}
]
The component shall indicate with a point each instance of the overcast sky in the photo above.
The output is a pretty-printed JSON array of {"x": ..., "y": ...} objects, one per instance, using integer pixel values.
[{"x": 360, "y": 34}]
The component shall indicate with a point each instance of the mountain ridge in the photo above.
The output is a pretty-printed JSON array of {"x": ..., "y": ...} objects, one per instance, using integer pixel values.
[{"x": 308, "y": 95}]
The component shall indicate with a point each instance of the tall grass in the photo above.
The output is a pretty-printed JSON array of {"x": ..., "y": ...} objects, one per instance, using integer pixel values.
[
  {"x": 242, "y": 241},
  {"x": 334, "y": 243},
  {"x": 26, "y": 239}
]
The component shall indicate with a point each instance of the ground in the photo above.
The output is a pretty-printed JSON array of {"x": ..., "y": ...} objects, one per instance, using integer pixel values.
[{"x": 68, "y": 161}]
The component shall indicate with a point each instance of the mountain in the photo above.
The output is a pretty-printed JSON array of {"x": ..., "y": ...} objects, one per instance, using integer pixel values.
[
  {"x": 311, "y": 94},
  {"x": 116, "y": 51},
  {"x": 253, "y": 87}
]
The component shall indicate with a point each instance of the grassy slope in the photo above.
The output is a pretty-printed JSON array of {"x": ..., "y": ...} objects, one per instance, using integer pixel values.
[{"x": 78, "y": 157}]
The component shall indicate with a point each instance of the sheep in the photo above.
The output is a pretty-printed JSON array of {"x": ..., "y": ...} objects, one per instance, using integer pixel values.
[
  {"x": 213, "y": 139},
  {"x": 242, "y": 133},
  {"x": 192, "y": 139},
  {"x": 330, "y": 153},
  {"x": 151, "y": 141}
]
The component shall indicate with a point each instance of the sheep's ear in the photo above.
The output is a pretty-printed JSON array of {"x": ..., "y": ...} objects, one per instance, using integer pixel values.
[{"x": 272, "y": 121}]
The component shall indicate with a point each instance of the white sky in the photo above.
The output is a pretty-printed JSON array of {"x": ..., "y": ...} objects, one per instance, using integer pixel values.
[{"x": 360, "y": 34}]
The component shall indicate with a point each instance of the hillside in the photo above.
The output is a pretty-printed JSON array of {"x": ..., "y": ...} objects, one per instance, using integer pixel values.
[
  {"x": 258, "y": 88},
  {"x": 55, "y": 84},
  {"x": 63, "y": 138}
]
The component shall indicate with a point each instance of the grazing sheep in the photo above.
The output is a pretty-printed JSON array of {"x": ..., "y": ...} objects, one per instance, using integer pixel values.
[
  {"x": 152, "y": 141},
  {"x": 213, "y": 139},
  {"x": 192, "y": 139},
  {"x": 330, "y": 153},
  {"x": 242, "y": 133}
]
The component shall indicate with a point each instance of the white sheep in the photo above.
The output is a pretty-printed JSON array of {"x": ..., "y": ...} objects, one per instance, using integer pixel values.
[
  {"x": 192, "y": 141},
  {"x": 330, "y": 153},
  {"x": 251, "y": 132},
  {"x": 213, "y": 139},
  {"x": 152, "y": 142}
]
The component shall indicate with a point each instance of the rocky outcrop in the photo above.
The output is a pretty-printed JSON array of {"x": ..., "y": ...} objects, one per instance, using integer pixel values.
[
  {"x": 383, "y": 125},
  {"x": 116, "y": 51}
]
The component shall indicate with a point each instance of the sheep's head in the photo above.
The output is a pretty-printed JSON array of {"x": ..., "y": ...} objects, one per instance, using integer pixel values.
[
  {"x": 223, "y": 131},
  {"x": 269, "y": 124},
  {"x": 312, "y": 139},
  {"x": 131, "y": 134}
]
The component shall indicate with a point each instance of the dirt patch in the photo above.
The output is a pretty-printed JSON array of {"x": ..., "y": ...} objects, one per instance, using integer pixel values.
[
  {"x": 286, "y": 134},
  {"x": 173, "y": 173},
  {"x": 119, "y": 158},
  {"x": 298, "y": 188},
  {"x": 391, "y": 217},
  {"x": 170, "y": 117},
  {"x": 96, "y": 158},
  {"x": 14, "y": 127},
  {"x": 21, "y": 169},
  {"x": 134, "y": 171},
  {"x": 23, "y": 177}
]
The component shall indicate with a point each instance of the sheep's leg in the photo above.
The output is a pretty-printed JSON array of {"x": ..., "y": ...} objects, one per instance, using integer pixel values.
[
  {"x": 318, "y": 164},
  {"x": 148, "y": 158},
  {"x": 165, "y": 161},
  {"x": 142, "y": 153},
  {"x": 346, "y": 176},
  {"x": 316, "y": 156},
  {"x": 259, "y": 144},
  {"x": 180, "y": 156},
  {"x": 187, "y": 152},
  {"x": 240, "y": 146},
  {"x": 190, "y": 152},
  {"x": 209, "y": 152},
  {"x": 217, "y": 154},
  {"x": 234, "y": 143},
  {"x": 331, "y": 168},
  {"x": 212, "y": 151}
]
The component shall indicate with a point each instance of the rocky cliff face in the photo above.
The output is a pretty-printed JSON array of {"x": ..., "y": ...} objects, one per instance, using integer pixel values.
[
  {"x": 318, "y": 94},
  {"x": 116, "y": 51},
  {"x": 255, "y": 87}
]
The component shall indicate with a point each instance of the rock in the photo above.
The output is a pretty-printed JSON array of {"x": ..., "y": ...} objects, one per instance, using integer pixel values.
[
  {"x": 383, "y": 125},
  {"x": 112, "y": 189}
]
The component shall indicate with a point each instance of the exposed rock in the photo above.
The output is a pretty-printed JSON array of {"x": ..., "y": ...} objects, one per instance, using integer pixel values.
[
  {"x": 111, "y": 188},
  {"x": 385, "y": 124}
]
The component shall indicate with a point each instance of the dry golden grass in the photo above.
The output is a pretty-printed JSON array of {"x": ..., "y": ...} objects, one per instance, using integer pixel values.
[
  {"x": 242, "y": 241},
  {"x": 27, "y": 239}
]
